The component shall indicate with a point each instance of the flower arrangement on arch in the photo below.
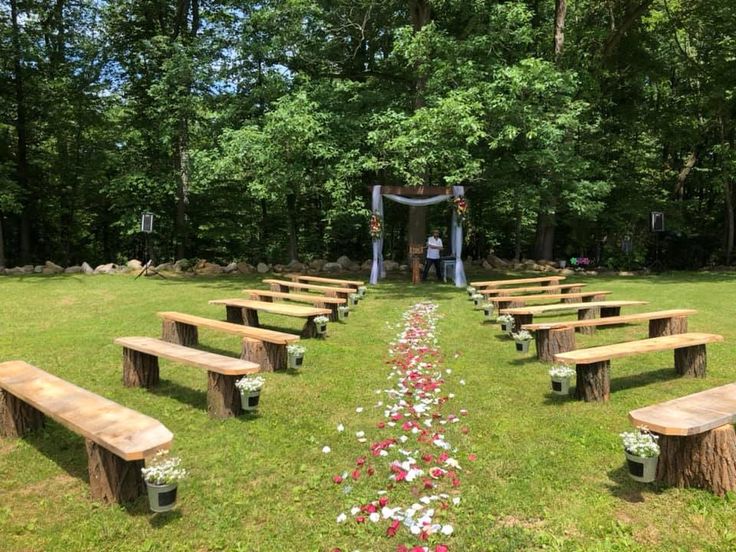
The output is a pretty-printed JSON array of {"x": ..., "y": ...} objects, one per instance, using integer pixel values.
[
  {"x": 580, "y": 261},
  {"x": 375, "y": 226},
  {"x": 461, "y": 207}
]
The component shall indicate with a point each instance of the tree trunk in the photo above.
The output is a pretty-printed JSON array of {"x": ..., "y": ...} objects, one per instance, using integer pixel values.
[
  {"x": 593, "y": 381},
  {"x": 139, "y": 369},
  {"x": 691, "y": 361},
  {"x": 179, "y": 333},
  {"x": 632, "y": 17},
  {"x": 22, "y": 173},
  {"x": 250, "y": 318},
  {"x": 545, "y": 239},
  {"x": 2, "y": 243},
  {"x": 728, "y": 192},
  {"x": 706, "y": 460},
  {"x": 270, "y": 356},
  {"x": 234, "y": 314},
  {"x": 587, "y": 314},
  {"x": 291, "y": 217},
  {"x": 559, "y": 34},
  {"x": 668, "y": 326},
  {"x": 687, "y": 168},
  {"x": 17, "y": 417},
  {"x": 417, "y": 227},
  {"x": 309, "y": 330},
  {"x": 182, "y": 191},
  {"x": 517, "y": 234},
  {"x": 223, "y": 398},
  {"x": 521, "y": 319},
  {"x": 555, "y": 341},
  {"x": 112, "y": 479}
]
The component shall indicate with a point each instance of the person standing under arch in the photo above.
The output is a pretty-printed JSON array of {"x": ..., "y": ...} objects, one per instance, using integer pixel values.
[{"x": 434, "y": 247}]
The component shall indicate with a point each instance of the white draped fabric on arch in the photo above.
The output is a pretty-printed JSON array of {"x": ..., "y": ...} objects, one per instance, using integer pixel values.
[{"x": 456, "y": 233}]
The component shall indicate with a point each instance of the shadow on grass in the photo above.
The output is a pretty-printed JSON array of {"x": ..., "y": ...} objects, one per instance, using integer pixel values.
[
  {"x": 642, "y": 379},
  {"x": 627, "y": 489},
  {"x": 193, "y": 397},
  {"x": 521, "y": 361},
  {"x": 62, "y": 447}
]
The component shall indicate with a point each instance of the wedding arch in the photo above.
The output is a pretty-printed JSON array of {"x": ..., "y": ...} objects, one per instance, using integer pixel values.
[{"x": 420, "y": 196}]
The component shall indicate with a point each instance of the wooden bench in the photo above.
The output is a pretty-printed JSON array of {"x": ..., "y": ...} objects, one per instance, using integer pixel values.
[
  {"x": 586, "y": 311},
  {"x": 319, "y": 301},
  {"x": 559, "y": 288},
  {"x": 559, "y": 337},
  {"x": 696, "y": 438},
  {"x": 355, "y": 284},
  {"x": 593, "y": 365},
  {"x": 117, "y": 439},
  {"x": 542, "y": 281},
  {"x": 266, "y": 348},
  {"x": 508, "y": 301},
  {"x": 245, "y": 311},
  {"x": 140, "y": 369},
  {"x": 285, "y": 287}
]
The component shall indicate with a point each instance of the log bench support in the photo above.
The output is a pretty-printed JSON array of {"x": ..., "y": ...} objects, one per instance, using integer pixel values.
[
  {"x": 179, "y": 333},
  {"x": 112, "y": 479},
  {"x": 667, "y": 326},
  {"x": 279, "y": 287},
  {"x": 310, "y": 329},
  {"x": 223, "y": 398},
  {"x": 705, "y": 460},
  {"x": 271, "y": 356},
  {"x": 234, "y": 314},
  {"x": 250, "y": 318},
  {"x": 521, "y": 319},
  {"x": 332, "y": 307},
  {"x": 691, "y": 361},
  {"x": 17, "y": 417},
  {"x": 587, "y": 314},
  {"x": 593, "y": 381},
  {"x": 553, "y": 341},
  {"x": 572, "y": 290},
  {"x": 607, "y": 312},
  {"x": 139, "y": 369}
]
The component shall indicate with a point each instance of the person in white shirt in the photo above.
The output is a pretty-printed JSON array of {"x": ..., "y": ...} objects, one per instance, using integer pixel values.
[{"x": 434, "y": 246}]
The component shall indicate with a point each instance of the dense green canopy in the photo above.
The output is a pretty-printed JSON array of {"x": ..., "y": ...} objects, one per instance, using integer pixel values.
[{"x": 253, "y": 129}]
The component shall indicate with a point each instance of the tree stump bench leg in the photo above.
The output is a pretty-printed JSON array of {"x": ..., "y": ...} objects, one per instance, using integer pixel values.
[
  {"x": 310, "y": 329},
  {"x": 691, "y": 361},
  {"x": 139, "y": 369},
  {"x": 587, "y": 314},
  {"x": 572, "y": 290},
  {"x": 250, "y": 318},
  {"x": 270, "y": 356},
  {"x": 223, "y": 398},
  {"x": 521, "y": 319},
  {"x": 112, "y": 479},
  {"x": 234, "y": 314},
  {"x": 503, "y": 305},
  {"x": 593, "y": 381},
  {"x": 332, "y": 307},
  {"x": 17, "y": 417},
  {"x": 607, "y": 312},
  {"x": 179, "y": 333},
  {"x": 552, "y": 342},
  {"x": 572, "y": 299},
  {"x": 706, "y": 460},
  {"x": 668, "y": 326}
]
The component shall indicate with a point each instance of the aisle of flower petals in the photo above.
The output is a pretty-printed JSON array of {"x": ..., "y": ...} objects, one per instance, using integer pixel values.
[{"x": 408, "y": 481}]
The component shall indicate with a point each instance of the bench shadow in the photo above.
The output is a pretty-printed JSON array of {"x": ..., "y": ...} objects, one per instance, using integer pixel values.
[
  {"x": 61, "y": 446},
  {"x": 642, "y": 379},
  {"x": 521, "y": 361},
  {"x": 625, "y": 488},
  {"x": 193, "y": 397}
]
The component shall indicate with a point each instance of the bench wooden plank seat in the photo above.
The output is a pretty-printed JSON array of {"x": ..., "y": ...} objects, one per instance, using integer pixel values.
[
  {"x": 118, "y": 439},
  {"x": 140, "y": 369},
  {"x": 508, "y": 301},
  {"x": 696, "y": 438},
  {"x": 266, "y": 348},
  {"x": 320, "y": 301},
  {"x": 593, "y": 365},
  {"x": 585, "y": 310},
  {"x": 355, "y": 284},
  {"x": 286, "y": 286},
  {"x": 559, "y": 337},
  {"x": 559, "y": 288},
  {"x": 542, "y": 281},
  {"x": 245, "y": 311}
]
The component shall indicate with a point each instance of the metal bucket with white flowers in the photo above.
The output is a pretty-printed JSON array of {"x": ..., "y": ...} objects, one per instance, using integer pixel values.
[
  {"x": 522, "y": 339},
  {"x": 162, "y": 475},
  {"x": 471, "y": 292},
  {"x": 343, "y": 311},
  {"x": 488, "y": 311},
  {"x": 362, "y": 290},
  {"x": 250, "y": 392},
  {"x": 507, "y": 323},
  {"x": 295, "y": 356},
  {"x": 560, "y": 377},
  {"x": 642, "y": 454},
  {"x": 353, "y": 299},
  {"x": 477, "y": 300},
  {"x": 321, "y": 323}
]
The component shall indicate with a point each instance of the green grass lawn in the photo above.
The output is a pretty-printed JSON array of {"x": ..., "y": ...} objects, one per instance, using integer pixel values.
[{"x": 549, "y": 473}]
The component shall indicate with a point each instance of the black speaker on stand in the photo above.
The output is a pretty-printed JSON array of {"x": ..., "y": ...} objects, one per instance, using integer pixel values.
[
  {"x": 656, "y": 226},
  {"x": 147, "y": 228}
]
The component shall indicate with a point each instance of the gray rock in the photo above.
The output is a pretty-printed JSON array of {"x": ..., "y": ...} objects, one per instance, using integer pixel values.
[
  {"x": 134, "y": 264},
  {"x": 16, "y": 271},
  {"x": 390, "y": 266},
  {"x": 203, "y": 267},
  {"x": 27, "y": 269},
  {"x": 87, "y": 269},
  {"x": 296, "y": 266},
  {"x": 109, "y": 268},
  {"x": 367, "y": 265},
  {"x": 567, "y": 272},
  {"x": 317, "y": 264},
  {"x": 38, "y": 269},
  {"x": 344, "y": 262},
  {"x": 487, "y": 265},
  {"x": 183, "y": 265},
  {"x": 403, "y": 268},
  {"x": 626, "y": 273},
  {"x": 73, "y": 270},
  {"x": 165, "y": 267},
  {"x": 232, "y": 267},
  {"x": 262, "y": 268},
  {"x": 245, "y": 268},
  {"x": 354, "y": 267},
  {"x": 332, "y": 267},
  {"x": 279, "y": 268}
]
